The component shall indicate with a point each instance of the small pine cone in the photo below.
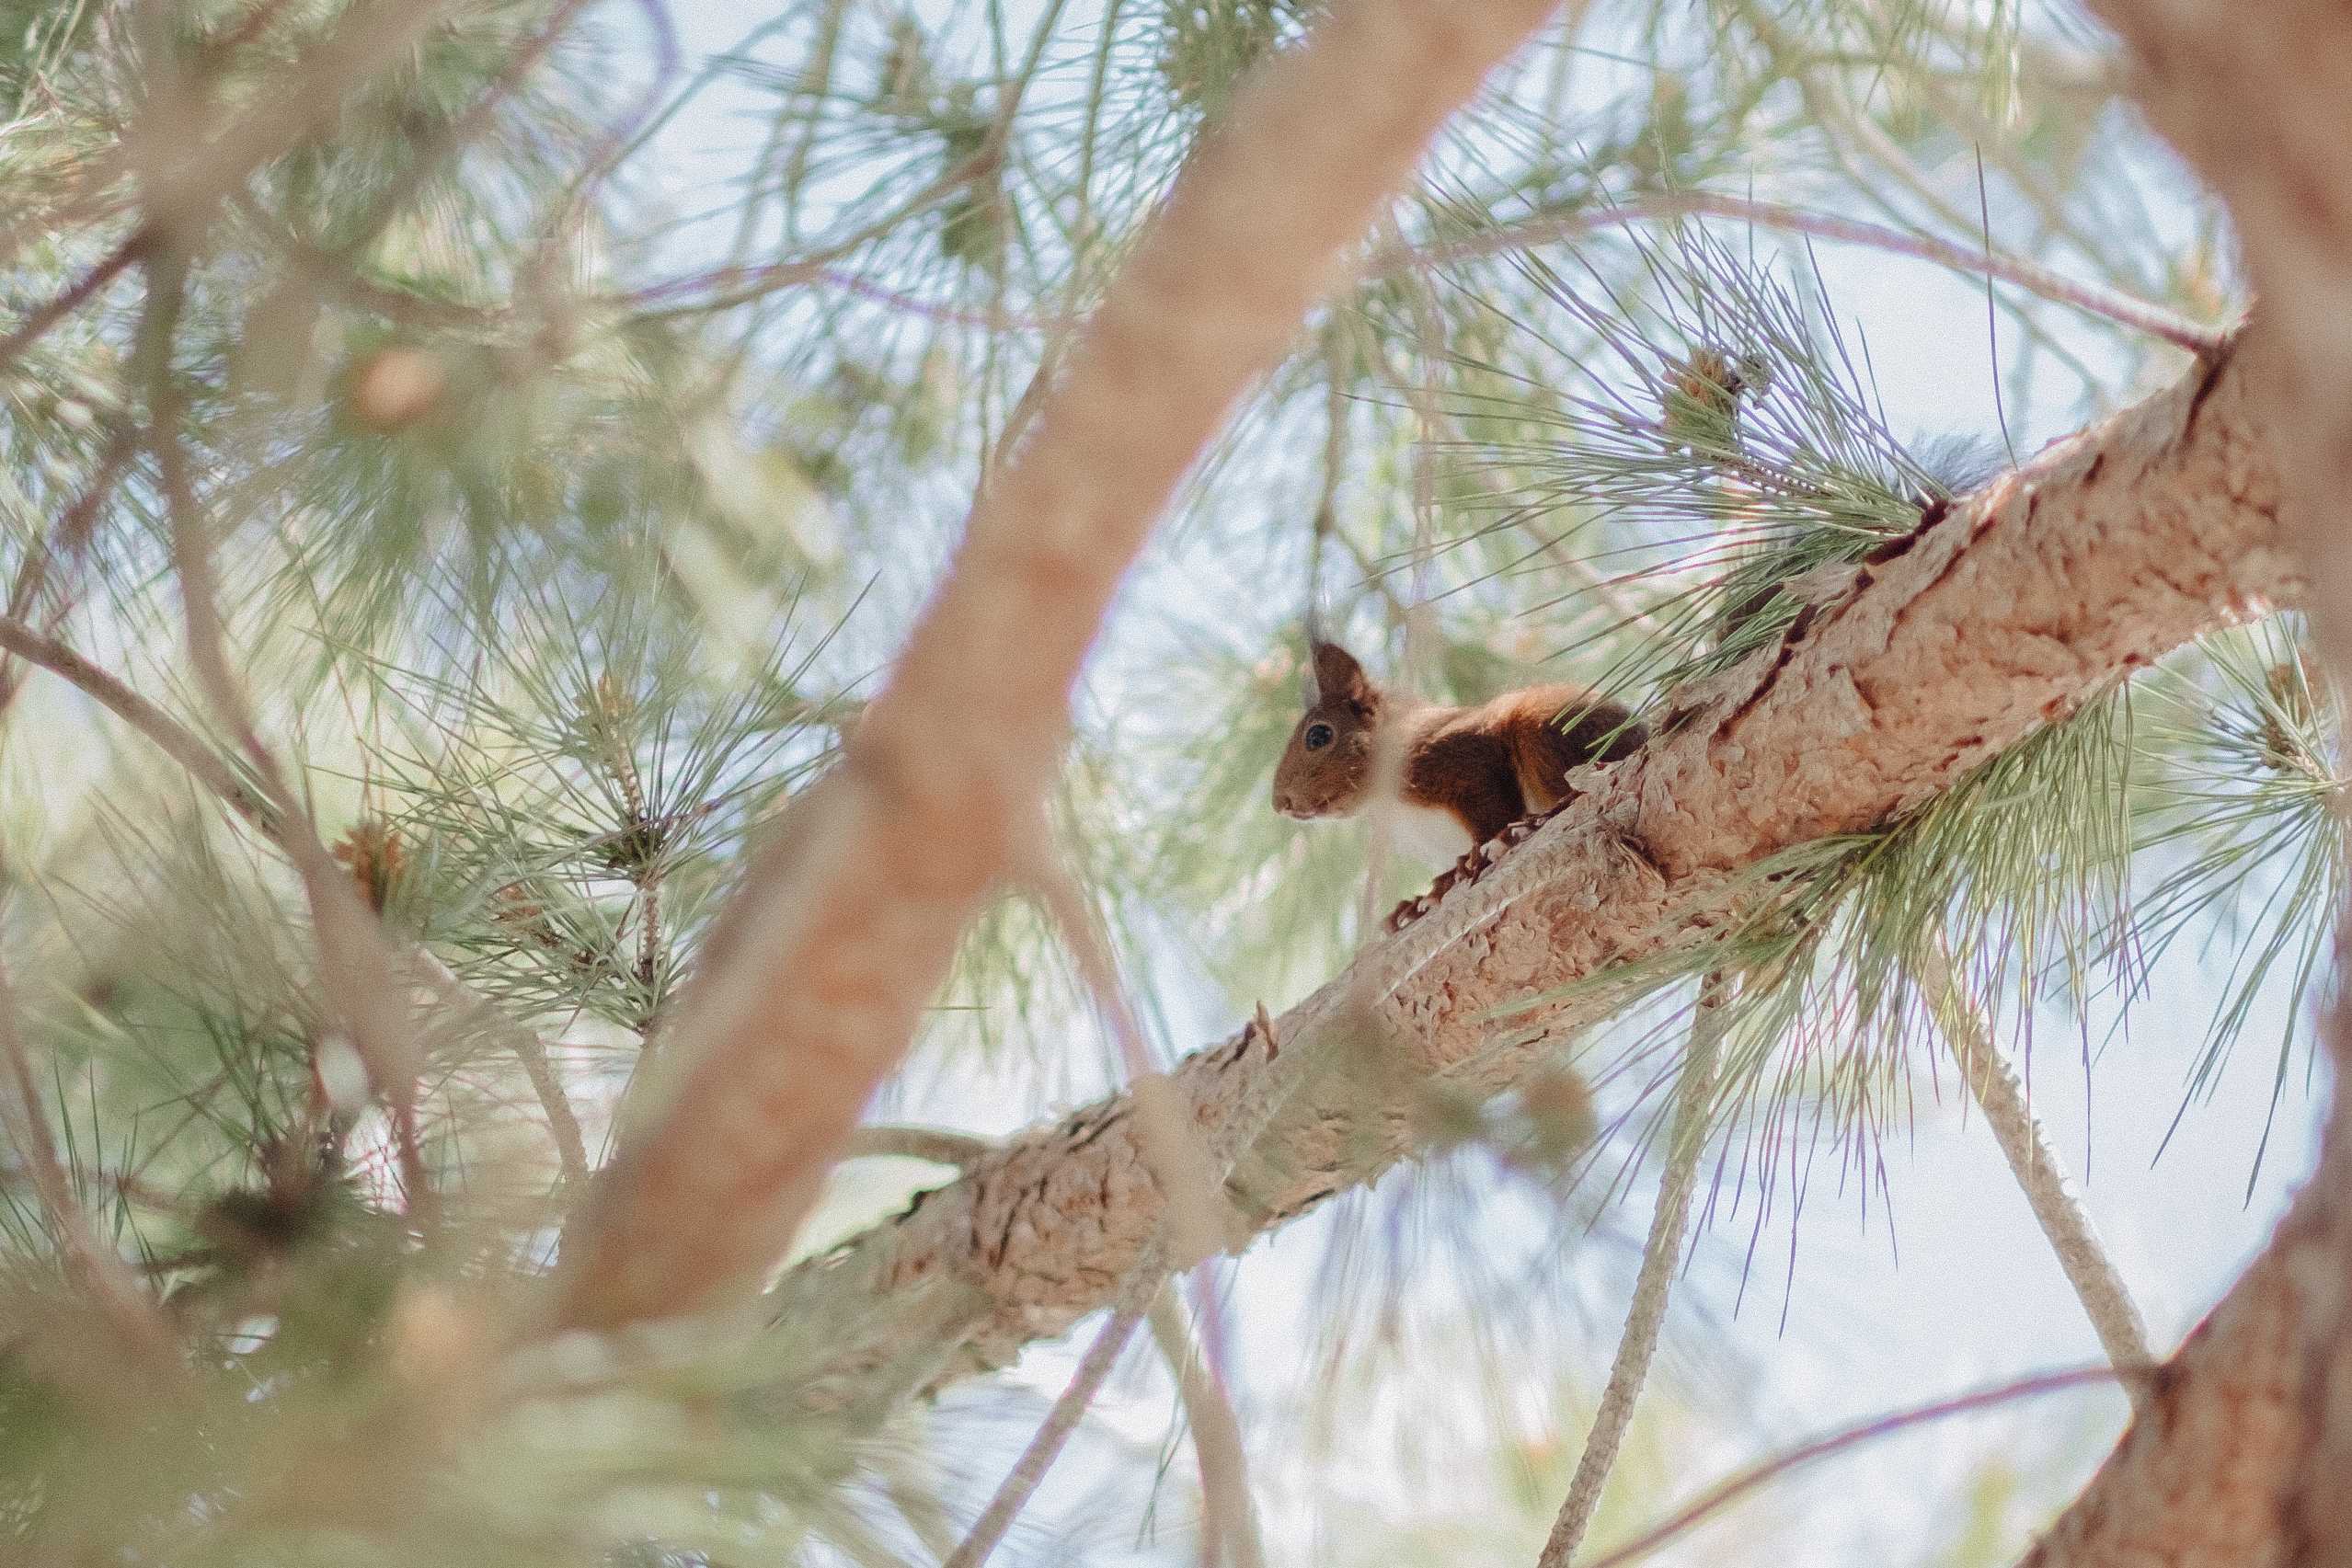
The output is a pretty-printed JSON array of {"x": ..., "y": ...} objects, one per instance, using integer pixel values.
[
  {"x": 372, "y": 852},
  {"x": 514, "y": 907},
  {"x": 608, "y": 704},
  {"x": 2291, "y": 684}
]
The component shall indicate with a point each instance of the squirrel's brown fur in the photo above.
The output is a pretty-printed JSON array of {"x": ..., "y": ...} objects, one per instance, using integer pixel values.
[{"x": 1486, "y": 766}]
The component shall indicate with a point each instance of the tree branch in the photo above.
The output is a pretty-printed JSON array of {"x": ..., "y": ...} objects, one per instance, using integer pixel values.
[
  {"x": 1094, "y": 1369},
  {"x": 1662, "y": 1256},
  {"x": 1995, "y": 617},
  {"x": 2199, "y": 1480},
  {"x": 1993, "y": 1084},
  {"x": 1725, "y": 1492},
  {"x": 2091, "y": 299}
]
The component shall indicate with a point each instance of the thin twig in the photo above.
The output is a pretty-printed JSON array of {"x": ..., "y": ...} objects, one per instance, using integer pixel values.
[
  {"x": 137, "y": 1319},
  {"x": 1149, "y": 1278},
  {"x": 531, "y": 1052},
  {"x": 748, "y": 282},
  {"x": 1146, "y": 1278},
  {"x": 175, "y": 740},
  {"x": 563, "y": 1122},
  {"x": 39, "y": 574},
  {"x": 1729, "y": 1490},
  {"x": 47, "y": 313},
  {"x": 741, "y": 286},
  {"x": 1993, "y": 1084},
  {"x": 1693, "y": 1106},
  {"x": 1229, "y": 1518},
  {"x": 2091, "y": 298}
]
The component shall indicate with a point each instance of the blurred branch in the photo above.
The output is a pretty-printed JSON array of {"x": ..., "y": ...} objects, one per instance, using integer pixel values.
[
  {"x": 357, "y": 966},
  {"x": 812, "y": 981},
  {"x": 175, "y": 740},
  {"x": 68, "y": 549},
  {"x": 81, "y": 292},
  {"x": 531, "y": 1053},
  {"x": 125, "y": 1306},
  {"x": 734, "y": 286},
  {"x": 189, "y": 155},
  {"x": 1148, "y": 1283},
  {"x": 1229, "y": 1523}
]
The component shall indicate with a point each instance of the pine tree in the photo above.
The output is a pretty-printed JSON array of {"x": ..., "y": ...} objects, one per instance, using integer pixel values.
[{"x": 560, "y": 664}]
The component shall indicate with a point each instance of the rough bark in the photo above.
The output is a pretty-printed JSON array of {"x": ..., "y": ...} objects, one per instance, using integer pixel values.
[
  {"x": 1993, "y": 617},
  {"x": 2198, "y": 1481},
  {"x": 812, "y": 985}
]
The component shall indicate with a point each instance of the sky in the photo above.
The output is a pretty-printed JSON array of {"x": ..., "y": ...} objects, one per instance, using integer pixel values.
[{"x": 1956, "y": 1290}]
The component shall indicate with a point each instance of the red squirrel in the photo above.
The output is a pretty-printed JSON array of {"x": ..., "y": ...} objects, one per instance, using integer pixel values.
[{"x": 1467, "y": 774}]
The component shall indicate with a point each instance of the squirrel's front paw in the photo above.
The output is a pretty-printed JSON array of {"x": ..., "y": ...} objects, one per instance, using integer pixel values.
[{"x": 1469, "y": 868}]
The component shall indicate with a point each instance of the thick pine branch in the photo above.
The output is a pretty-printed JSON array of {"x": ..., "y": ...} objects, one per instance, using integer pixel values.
[{"x": 1996, "y": 616}]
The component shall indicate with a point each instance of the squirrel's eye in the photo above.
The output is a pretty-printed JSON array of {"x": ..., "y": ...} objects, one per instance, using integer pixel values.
[{"x": 1319, "y": 736}]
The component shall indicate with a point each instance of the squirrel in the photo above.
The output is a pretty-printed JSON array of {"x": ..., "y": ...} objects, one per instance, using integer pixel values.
[{"x": 1467, "y": 775}]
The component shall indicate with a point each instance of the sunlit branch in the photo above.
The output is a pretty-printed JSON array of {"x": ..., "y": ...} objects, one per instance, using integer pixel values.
[
  {"x": 1662, "y": 1256},
  {"x": 1993, "y": 1084}
]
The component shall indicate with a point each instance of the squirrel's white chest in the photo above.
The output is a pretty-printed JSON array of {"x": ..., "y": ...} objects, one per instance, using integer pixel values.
[{"x": 1426, "y": 832}]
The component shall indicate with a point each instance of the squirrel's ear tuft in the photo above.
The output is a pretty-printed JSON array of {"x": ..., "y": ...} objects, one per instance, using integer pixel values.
[{"x": 1338, "y": 676}]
